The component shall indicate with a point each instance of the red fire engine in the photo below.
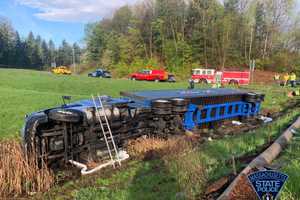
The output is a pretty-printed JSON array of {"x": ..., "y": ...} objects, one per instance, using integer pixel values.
[{"x": 226, "y": 77}]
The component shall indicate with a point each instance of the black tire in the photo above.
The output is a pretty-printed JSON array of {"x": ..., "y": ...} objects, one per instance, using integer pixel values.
[
  {"x": 233, "y": 82},
  {"x": 179, "y": 109},
  {"x": 251, "y": 97},
  {"x": 162, "y": 111},
  {"x": 171, "y": 80},
  {"x": 203, "y": 81},
  {"x": 31, "y": 137},
  {"x": 65, "y": 115},
  {"x": 260, "y": 97},
  {"x": 179, "y": 102},
  {"x": 160, "y": 103},
  {"x": 133, "y": 78}
]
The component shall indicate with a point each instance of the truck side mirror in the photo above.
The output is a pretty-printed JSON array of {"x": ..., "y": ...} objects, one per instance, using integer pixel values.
[{"x": 66, "y": 98}]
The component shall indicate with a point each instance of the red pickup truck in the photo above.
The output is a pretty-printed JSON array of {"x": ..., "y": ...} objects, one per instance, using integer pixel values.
[{"x": 152, "y": 75}]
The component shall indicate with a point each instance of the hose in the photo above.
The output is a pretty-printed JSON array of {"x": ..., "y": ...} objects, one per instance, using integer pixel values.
[{"x": 123, "y": 155}]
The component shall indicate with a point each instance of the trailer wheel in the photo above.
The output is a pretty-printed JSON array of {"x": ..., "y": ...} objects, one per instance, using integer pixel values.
[
  {"x": 260, "y": 97},
  {"x": 161, "y": 103},
  {"x": 162, "y": 111},
  {"x": 179, "y": 102},
  {"x": 251, "y": 97},
  {"x": 65, "y": 115},
  {"x": 179, "y": 109}
]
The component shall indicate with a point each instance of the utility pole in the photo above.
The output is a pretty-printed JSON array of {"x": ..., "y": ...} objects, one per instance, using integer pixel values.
[
  {"x": 74, "y": 64},
  {"x": 252, "y": 69}
]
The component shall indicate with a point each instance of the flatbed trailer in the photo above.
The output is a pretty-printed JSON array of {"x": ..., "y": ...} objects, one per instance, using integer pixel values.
[{"x": 73, "y": 131}]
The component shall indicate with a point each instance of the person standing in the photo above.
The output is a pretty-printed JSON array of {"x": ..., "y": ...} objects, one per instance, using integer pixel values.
[
  {"x": 293, "y": 78},
  {"x": 286, "y": 78},
  {"x": 277, "y": 79}
]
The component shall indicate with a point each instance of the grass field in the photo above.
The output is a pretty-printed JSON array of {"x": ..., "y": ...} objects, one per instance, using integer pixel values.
[{"x": 22, "y": 92}]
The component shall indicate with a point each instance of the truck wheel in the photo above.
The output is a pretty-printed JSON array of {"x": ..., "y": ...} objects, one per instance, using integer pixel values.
[
  {"x": 156, "y": 80},
  {"x": 65, "y": 115},
  {"x": 160, "y": 103},
  {"x": 260, "y": 97},
  {"x": 133, "y": 78},
  {"x": 179, "y": 109},
  {"x": 162, "y": 111},
  {"x": 251, "y": 97},
  {"x": 179, "y": 102},
  {"x": 203, "y": 81},
  {"x": 233, "y": 82}
]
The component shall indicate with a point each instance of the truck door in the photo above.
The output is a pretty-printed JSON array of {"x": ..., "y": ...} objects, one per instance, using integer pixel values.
[
  {"x": 210, "y": 75},
  {"x": 218, "y": 78},
  {"x": 143, "y": 75}
]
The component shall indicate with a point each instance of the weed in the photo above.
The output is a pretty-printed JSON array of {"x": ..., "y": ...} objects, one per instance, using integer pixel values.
[{"x": 19, "y": 175}]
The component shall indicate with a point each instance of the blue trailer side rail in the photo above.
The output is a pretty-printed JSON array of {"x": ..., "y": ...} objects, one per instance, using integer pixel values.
[{"x": 198, "y": 115}]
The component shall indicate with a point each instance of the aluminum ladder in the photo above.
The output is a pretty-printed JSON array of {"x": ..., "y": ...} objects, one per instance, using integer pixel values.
[{"x": 107, "y": 134}]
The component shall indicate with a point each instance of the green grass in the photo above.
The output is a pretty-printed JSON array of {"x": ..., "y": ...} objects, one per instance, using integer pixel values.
[
  {"x": 22, "y": 92},
  {"x": 290, "y": 162},
  {"x": 219, "y": 151}
]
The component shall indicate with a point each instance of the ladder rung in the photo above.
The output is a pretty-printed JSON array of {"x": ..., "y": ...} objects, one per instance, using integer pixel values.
[{"x": 108, "y": 137}]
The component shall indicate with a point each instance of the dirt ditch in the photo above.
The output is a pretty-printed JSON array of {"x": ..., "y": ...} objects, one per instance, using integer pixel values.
[{"x": 215, "y": 189}]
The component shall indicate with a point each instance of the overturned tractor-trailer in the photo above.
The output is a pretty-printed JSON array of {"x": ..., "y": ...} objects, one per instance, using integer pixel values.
[{"x": 74, "y": 131}]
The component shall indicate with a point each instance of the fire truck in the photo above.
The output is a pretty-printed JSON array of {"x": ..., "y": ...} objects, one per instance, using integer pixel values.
[{"x": 226, "y": 77}]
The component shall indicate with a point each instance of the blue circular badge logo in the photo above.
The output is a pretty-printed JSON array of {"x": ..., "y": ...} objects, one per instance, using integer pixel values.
[{"x": 267, "y": 184}]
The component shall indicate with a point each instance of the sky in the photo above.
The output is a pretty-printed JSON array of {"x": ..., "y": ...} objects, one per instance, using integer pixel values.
[{"x": 59, "y": 19}]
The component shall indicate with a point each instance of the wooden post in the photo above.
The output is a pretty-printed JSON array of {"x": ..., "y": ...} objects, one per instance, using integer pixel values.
[{"x": 233, "y": 166}]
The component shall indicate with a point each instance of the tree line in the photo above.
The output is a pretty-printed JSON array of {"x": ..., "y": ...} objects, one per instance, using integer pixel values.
[
  {"x": 32, "y": 51},
  {"x": 182, "y": 34}
]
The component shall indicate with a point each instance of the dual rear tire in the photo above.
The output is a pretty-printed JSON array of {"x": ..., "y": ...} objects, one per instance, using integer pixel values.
[
  {"x": 166, "y": 107},
  {"x": 254, "y": 97}
]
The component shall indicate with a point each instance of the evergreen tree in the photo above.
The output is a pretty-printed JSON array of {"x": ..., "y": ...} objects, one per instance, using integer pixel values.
[
  {"x": 77, "y": 52},
  {"x": 52, "y": 52},
  {"x": 20, "y": 56},
  {"x": 45, "y": 54}
]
